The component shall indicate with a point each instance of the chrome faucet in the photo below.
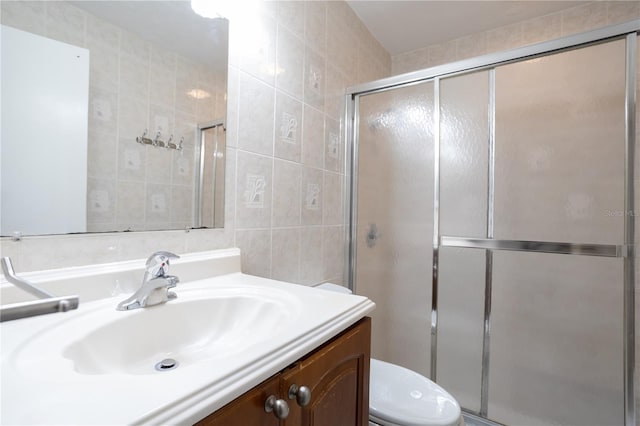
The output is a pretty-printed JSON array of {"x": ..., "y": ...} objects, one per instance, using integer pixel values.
[{"x": 155, "y": 284}]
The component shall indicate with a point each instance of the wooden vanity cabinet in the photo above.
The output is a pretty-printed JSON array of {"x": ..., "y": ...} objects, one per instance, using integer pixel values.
[{"x": 336, "y": 373}]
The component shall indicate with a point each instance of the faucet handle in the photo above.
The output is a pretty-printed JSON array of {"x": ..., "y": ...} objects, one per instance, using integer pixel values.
[{"x": 158, "y": 263}]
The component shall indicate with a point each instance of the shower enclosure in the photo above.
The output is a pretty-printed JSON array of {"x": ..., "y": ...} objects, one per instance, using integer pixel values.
[{"x": 492, "y": 222}]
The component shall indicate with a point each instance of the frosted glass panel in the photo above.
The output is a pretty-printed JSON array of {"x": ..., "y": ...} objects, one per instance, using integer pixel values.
[
  {"x": 556, "y": 340},
  {"x": 560, "y": 147},
  {"x": 464, "y": 153},
  {"x": 460, "y": 323},
  {"x": 395, "y": 193}
]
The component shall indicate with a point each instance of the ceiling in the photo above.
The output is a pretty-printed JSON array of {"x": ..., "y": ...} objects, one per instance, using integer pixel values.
[
  {"x": 402, "y": 26},
  {"x": 172, "y": 24}
]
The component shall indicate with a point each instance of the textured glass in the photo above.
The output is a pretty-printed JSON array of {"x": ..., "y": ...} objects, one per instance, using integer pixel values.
[
  {"x": 395, "y": 207},
  {"x": 213, "y": 178},
  {"x": 637, "y": 227},
  {"x": 460, "y": 323},
  {"x": 556, "y": 340},
  {"x": 464, "y": 154},
  {"x": 560, "y": 137}
]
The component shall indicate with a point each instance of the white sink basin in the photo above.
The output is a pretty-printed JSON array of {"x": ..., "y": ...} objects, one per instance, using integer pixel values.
[
  {"x": 186, "y": 331},
  {"x": 199, "y": 325},
  {"x": 228, "y": 332}
]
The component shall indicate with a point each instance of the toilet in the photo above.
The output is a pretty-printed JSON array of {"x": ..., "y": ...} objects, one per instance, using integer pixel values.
[{"x": 401, "y": 397}]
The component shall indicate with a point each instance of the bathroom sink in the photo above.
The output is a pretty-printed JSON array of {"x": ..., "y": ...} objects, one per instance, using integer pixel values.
[
  {"x": 227, "y": 332},
  {"x": 135, "y": 344},
  {"x": 199, "y": 325}
]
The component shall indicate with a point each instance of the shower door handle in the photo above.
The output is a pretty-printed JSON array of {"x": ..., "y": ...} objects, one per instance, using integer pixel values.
[{"x": 373, "y": 235}]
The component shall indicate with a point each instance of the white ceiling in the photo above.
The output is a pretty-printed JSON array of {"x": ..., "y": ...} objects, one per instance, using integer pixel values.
[
  {"x": 402, "y": 26},
  {"x": 172, "y": 24}
]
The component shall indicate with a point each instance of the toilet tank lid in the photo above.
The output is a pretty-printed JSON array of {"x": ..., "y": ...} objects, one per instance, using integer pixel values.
[
  {"x": 402, "y": 396},
  {"x": 334, "y": 287}
]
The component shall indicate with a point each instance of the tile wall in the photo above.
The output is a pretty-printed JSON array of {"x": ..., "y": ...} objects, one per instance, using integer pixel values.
[
  {"x": 290, "y": 64},
  {"x": 134, "y": 86},
  {"x": 569, "y": 21}
]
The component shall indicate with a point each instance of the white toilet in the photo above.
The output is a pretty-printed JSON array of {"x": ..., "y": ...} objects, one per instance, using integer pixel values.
[{"x": 401, "y": 397}]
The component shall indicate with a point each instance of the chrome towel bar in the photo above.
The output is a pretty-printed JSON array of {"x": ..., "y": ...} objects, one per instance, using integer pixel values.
[
  {"x": 604, "y": 250},
  {"x": 48, "y": 303}
]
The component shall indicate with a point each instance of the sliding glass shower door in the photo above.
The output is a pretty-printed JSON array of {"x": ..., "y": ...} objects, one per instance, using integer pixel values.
[
  {"x": 492, "y": 233},
  {"x": 395, "y": 220},
  {"x": 556, "y": 319}
]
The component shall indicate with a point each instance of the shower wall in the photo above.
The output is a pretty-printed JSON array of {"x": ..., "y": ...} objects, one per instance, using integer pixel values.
[
  {"x": 532, "y": 151},
  {"x": 585, "y": 17}
]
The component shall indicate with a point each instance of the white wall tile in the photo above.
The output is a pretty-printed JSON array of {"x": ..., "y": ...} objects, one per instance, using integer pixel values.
[
  {"x": 289, "y": 67},
  {"x": 285, "y": 254},
  {"x": 333, "y": 146},
  {"x": 101, "y": 155},
  {"x": 337, "y": 83},
  {"x": 258, "y": 47},
  {"x": 253, "y": 190},
  {"x": 102, "y": 33},
  {"x": 333, "y": 213},
  {"x": 102, "y": 199},
  {"x": 181, "y": 205},
  {"x": 256, "y": 113},
  {"x": 65, "y": 23},
  {"x": 622, "y": 11},
  {"x": 333, "y": 249},
  {"x": 313, "y": 138},
  {"x": 311, "y": 204},
  {"x": 311, "y": 265},
  {"x": 471, "y": 46},
  {"x": 442, "y": 53},
  {"x": 540, "y": 29},
  {"x": 286, "y": 193},
  {"x": 288, "y": 128},
  {"x": 130, "y": 202},
  {"x": 134, "y": 78},
  {"x": 315, "y": 14},
  {"x": 158, "y": 164},
  {"x": 255, "y": 246},
  {"x": 315, "y": 79},
  {"x": 182, "y": 170},
  {"x": 25, "y": 15},
  {"x": 290, "y": 14},
  {"x": 134, "y": 46},
  {"x": 582, "y": 18},
  {"x": 233, "y": 95},
  {"x": 504, "y": 38},
  {"x": 132, "y": 160}
]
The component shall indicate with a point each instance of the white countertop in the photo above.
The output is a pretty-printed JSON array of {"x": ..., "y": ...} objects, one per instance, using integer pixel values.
[{"x": 39, "y": 385}]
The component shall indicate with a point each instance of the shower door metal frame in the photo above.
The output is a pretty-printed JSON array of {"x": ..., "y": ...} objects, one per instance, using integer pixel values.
[
  {"x": 199, "y": 171},
  {"x": 628, "y": 31}
]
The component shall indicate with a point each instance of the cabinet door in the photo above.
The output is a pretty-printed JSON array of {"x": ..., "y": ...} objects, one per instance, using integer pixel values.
[
  {"x": 248, "y": 409},
  {"x": 338, "y": 376}
]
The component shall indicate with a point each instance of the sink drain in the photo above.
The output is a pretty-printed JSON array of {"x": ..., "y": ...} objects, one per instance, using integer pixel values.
[{"x": 167, "y": 364}]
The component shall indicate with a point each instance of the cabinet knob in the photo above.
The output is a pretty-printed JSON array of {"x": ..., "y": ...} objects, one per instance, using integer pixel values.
[
  {"x": 279, "y": 407},
  {"x": 301, "y": 394}
]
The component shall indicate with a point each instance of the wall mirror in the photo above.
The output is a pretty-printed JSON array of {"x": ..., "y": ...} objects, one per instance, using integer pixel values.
[{"x": 113, "y": 117}]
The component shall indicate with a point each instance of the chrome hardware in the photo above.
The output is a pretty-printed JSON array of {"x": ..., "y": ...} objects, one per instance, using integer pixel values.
[
  {"x": 157, "y": 142},
  {"x": 167, "y": 364},
  {"x": 603, "y": 250},
  {"x": 155, "y": 284},
  {"x": 373, "y": 235},
  {"x": 279, "y": 407},
  {"x": 301, "y": 394},
  {"x": 48, "y": 305}
]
